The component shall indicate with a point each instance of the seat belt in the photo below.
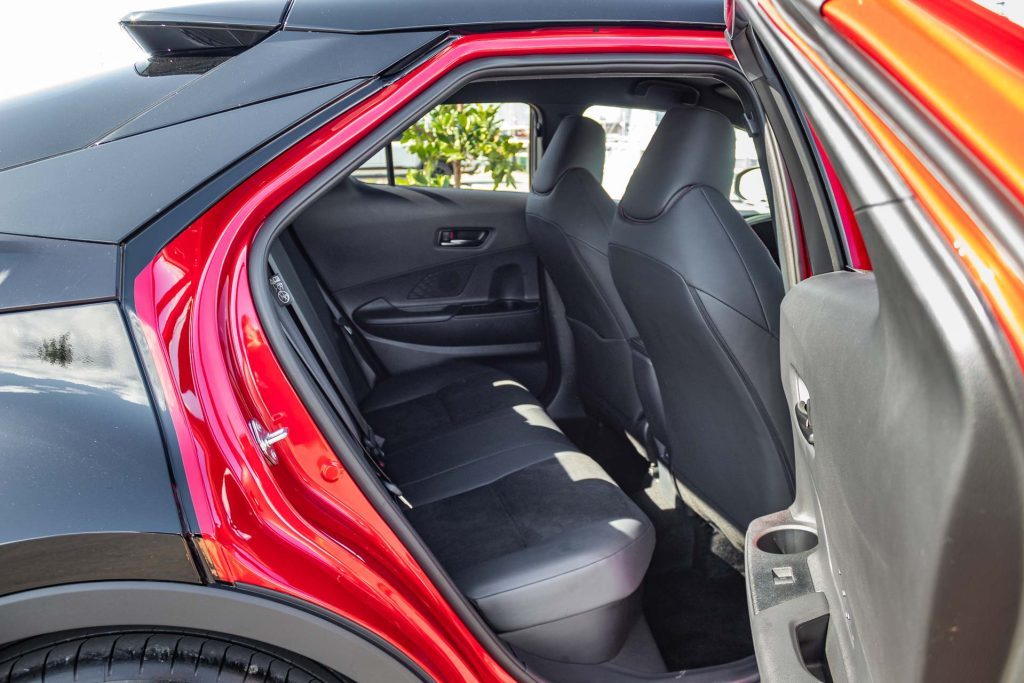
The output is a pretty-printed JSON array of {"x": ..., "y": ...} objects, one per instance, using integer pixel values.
[
  {"x": 369, "y": 439},
  {"x": 332, "y": 388},
  {"x": 363, "y": 354},
  {"x": 359, "y": 347}
]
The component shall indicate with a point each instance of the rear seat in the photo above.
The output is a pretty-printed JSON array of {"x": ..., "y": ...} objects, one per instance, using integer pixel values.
[{"x": 534, "y": 532}]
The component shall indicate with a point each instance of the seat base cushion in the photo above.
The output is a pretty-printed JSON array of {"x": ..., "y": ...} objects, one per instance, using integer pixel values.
[
  {"x": 462, "y": 458},
  {"x": 416, "y": 405},
  {"x": 551, "y": 541},
  {"x": 534, "y": 532}
]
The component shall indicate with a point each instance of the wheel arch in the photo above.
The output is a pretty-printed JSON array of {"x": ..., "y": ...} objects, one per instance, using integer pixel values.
[{"x": 254, "y": 615}]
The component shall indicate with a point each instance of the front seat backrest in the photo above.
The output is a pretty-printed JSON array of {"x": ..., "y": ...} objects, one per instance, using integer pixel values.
[
  {"x": 568, "y": 217},
  {"x": 705, "y": 294}
]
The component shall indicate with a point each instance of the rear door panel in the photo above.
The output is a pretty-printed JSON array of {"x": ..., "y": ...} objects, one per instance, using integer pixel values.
[
  {"x": 378, "y": 250},
  {"x": 901, "y": 557}
]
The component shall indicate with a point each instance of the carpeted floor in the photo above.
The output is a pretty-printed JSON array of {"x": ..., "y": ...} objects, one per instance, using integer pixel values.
[{"x": 695, "y": 602}]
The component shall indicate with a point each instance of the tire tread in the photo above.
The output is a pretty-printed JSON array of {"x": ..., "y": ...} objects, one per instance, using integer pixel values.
[{"x": 169, "y": 657}]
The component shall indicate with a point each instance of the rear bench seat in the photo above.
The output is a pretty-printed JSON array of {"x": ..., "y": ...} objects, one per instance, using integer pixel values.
[{"x": 534, "y": 532}]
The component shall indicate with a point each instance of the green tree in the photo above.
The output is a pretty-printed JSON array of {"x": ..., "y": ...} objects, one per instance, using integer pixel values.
[{"x": 465, "y": 138}]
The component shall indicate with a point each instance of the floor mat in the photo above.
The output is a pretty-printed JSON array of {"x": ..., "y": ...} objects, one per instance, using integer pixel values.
[{"x": 695, "y": 602}]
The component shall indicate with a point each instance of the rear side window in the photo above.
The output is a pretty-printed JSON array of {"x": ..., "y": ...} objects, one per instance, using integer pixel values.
[
  {"x": 627, "y": 132},
  {"x": 469, "y": 146},
  {"x": 748, "y": 193}
]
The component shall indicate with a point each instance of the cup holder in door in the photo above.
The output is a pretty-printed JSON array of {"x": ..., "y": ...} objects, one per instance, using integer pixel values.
[{"x": 787, "y": 540}]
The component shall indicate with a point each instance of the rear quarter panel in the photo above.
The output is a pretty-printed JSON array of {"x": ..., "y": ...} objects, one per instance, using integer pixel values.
[{"x": 85, "y": 490}]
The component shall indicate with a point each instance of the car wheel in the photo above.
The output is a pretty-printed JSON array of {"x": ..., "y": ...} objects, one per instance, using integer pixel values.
[{"x": 169, "y": 657}]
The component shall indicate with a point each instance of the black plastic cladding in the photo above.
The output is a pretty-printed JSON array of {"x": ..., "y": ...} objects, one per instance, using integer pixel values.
[{"x": 244, "y": 612}]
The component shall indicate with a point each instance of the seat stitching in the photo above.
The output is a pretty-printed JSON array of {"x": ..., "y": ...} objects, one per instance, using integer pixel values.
[
  {"x": 673, "y": 198},
  {"x": 746, "y": 270},
  {"x": 690, "y": 284},
  {"x": 520, "y": 532},
  {"x": 475, "y": 373},
  {"x": 586, "y": 272},
  {"x": 737, "y": 312},
  {"x": 745, "y": 380},
  {"x": 500, "y": 412},
  {"x": 755, "y": 397},
  {"x": 467, "y": 463}
]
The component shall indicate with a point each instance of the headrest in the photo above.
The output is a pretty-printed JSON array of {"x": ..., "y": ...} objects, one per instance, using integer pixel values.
[
  {"x": 690, "y": 147},
  {"x": 578, "y": 143}
]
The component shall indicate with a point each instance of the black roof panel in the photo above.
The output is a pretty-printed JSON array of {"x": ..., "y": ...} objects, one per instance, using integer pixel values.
[
  {"x": 286, "y": 62},
  {"x": 356, "y": 16},
  {"x": 255, "y": 13},
  {"x": 377, "y": 16},
  {"x": 75, "y": 115},
  {"x": 105, "y": 192}
]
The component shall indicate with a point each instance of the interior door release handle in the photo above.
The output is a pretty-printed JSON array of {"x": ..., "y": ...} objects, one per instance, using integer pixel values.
[
  {"x": 461, "y": 237},
  {"x": 802, "y": 410}
]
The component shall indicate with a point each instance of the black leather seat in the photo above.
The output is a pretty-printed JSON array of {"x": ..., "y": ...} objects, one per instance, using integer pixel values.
[
  {"x": 705, "y": 294},
  {"x": 546, "y": 545},
  {"x": 568, "y": 217}
]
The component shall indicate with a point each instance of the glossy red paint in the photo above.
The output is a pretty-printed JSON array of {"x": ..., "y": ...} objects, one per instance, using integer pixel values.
[
  {"x": 291, "y": 527},
  {"x": 961, "y": 62},
  {"x": 857, "y": 252},
  {"x": 966, "y": 66}
]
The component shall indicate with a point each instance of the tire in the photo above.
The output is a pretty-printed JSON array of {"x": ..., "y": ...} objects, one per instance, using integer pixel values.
[{"x": 165, "y": 656}]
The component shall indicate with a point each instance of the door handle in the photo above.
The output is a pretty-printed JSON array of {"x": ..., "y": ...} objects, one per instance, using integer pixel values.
[
  {"x": 461, "y": 237},
  {"x": 802, "y": 410}
]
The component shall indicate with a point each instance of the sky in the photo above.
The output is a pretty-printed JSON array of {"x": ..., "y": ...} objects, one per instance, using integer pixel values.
[
  {"x": 64, "y": 40},
  {"x": 88, "y": 35}
]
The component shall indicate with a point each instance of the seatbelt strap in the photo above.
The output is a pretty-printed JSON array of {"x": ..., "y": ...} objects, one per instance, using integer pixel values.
[
  {"x": 371, "y": 441},
  {"x": 348, "y": 413},
  {"x": 361, "y": 352},
  {"x": 355, "y": 341}
]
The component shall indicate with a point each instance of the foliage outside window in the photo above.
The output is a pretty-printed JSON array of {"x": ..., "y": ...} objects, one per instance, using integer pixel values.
[
  {"x": 476, "y": 146},
  {"x": 462, "y": 139}
]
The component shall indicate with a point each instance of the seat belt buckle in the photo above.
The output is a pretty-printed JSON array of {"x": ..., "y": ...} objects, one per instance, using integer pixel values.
[{"x": 397, "y": 493}]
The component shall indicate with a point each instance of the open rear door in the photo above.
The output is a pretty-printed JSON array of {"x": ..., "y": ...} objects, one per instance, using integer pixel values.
[{"x": 902, "y": 556}]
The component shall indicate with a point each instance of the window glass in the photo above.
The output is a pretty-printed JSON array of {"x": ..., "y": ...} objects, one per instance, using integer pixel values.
[
  {"x": 748, "y": 193},
  {"x": 469, "y": 146},
  {"x": 375, "y": 169},
  {"x": 627, "y": 132}
]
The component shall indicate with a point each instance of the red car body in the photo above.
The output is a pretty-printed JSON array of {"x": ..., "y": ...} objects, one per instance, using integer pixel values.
[{"x": 306, "y": 529}]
